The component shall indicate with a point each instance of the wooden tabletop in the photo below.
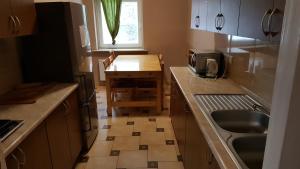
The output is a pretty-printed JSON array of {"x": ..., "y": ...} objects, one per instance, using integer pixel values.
[{"x": 143, "y": 63}]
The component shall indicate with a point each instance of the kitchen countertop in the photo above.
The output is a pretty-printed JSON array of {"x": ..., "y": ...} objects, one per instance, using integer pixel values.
[
  {"x": 32, "y": 114},
  {"x": 191, "y": 84}
]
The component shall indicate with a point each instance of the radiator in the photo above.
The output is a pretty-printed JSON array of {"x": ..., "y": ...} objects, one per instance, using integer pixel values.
[{"x": 101, "y": 70}]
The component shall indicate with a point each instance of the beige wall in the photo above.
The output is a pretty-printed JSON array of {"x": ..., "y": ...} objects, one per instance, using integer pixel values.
[
  {"x": 10, "y": 73},
  {"x": 165, "y": 30},
  {"x": 198, "y": 39}
]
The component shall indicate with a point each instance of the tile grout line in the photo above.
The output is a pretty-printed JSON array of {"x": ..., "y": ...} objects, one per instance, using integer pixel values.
[{"x": 134, "y": 127}]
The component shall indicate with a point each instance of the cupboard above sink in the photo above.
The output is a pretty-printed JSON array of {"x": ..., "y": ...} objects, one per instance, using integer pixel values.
[{"x": 247, "y": 18}]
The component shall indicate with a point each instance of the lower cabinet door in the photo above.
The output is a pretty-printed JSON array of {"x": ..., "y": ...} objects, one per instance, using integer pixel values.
[
  {"x": 178, "y": 116},
  {"x": 32, "y": 153},
  {"x": 58, "y": 137},
  {"x": 192, "y": 145},
  {"x": 73, "y": 121},
  {"x": 179, "y": 128},
  {"x": 196, "y": 147}
]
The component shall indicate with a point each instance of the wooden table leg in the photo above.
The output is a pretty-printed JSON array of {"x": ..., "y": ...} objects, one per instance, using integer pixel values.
[
  {"x": 162, "y": 91},
  {"x": 108, "y": 96},
  {"x": 158, "y": 94}
]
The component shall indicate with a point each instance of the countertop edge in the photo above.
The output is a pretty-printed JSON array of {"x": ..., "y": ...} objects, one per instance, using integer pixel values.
[
  {"x": 228, "y": 162},
  {"x": 5, "y": 151}
]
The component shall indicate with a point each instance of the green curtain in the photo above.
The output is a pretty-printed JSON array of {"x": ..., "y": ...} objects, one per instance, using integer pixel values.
[{"x": 112, "y": 10}]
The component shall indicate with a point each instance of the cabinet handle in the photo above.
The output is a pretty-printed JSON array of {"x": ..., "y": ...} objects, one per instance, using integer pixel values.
[
  {"x": 19, "y": 24},
  {"x": 186, "y": 108},
  {"x": 12, "y": 20},
  {"x": 209, "y": 157},
  {"x": 274, "y": 12},
  {"x": 222, "y": 21},
  {"x": 24, "y": 156},
  {"x": 66, "y": 106},
  {"x": 197, "y": 21},
  {"x": 219, "y": 21},
  {"x": 17, "y": 161},
  {"x": 216, "y": 22},
  {"x": 268, "y": 12}
]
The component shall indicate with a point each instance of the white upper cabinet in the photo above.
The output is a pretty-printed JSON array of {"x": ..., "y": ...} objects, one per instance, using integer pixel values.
[{"x": 199, "y": 14}]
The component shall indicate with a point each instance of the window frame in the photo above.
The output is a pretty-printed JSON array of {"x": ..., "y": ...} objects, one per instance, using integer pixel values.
[{"x": 99, "y": 27}]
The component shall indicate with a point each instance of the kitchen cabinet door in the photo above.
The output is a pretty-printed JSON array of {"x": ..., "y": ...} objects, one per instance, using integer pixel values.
[
  {"x": 59, "y": 139},
  {"x": 199, "y": 14},
  {"x": 6, "y": 22},
  {"x": 253, "y": 21},
  {"x": 230, "y": 9},
  {"x": 74, "y": 130},
  {"x": 173, "y": 106},
  {"x": 178, "y": 116},
  {"x": 276, "y": 20},
  {"x": 32, "y": 153},
  {"x": 196, "y": 146},
  {"x": 223, "y": 16},
  {"x": 203, "y": 15},
  {"x": 180, "y": 123},
  {"x": 17, "y": 17},
  {"x": 213, "y": 9},
  {"x": 195, "y": 14},
  {"x": 25, "y": 16},
  {"x": 191, "y": 142}
]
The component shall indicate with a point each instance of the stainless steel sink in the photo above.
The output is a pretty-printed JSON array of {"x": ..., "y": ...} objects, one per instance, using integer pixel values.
[
  {"x": 249, "y": 150},
  {"x": 241, "y": 121}
]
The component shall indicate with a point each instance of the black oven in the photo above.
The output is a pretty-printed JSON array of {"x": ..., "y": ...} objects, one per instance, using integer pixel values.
[
  {"x": 86, "y": 86},
  {"x": 89, "y": 116}
]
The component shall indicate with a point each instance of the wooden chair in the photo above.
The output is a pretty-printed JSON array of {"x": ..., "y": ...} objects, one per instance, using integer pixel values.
[
  {"x": 112, "y": 56},
  {"x": 106, "y": 63}
]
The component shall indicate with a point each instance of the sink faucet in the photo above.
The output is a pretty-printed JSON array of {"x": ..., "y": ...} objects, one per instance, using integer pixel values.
[{"x": 257, "y": 107}]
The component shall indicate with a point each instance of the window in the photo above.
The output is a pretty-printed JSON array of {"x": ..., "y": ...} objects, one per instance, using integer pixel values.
[{"x": 130, "y": 32}]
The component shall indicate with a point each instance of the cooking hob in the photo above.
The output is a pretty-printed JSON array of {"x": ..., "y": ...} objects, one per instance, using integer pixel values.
[{"x": 7, "y": 127}]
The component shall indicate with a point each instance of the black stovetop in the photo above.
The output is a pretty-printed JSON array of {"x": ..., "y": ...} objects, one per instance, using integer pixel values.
[{"x": 7, "y": 127}]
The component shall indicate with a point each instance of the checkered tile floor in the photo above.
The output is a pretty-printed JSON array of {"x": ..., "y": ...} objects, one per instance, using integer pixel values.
[{"x": 133, "y": 139}]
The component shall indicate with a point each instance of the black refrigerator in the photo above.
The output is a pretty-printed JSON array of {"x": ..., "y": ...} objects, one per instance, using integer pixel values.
[{"x": 60, "y": 51}]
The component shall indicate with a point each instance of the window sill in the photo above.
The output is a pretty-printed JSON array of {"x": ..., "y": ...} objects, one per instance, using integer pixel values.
[{"x": 106, "y": 52}]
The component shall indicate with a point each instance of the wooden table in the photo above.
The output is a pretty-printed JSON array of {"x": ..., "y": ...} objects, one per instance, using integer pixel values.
[{"x": 134, "y": 66}]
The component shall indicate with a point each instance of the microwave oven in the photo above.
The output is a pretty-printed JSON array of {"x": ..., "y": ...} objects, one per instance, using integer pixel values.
[{"x": 207, "y": 63}]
